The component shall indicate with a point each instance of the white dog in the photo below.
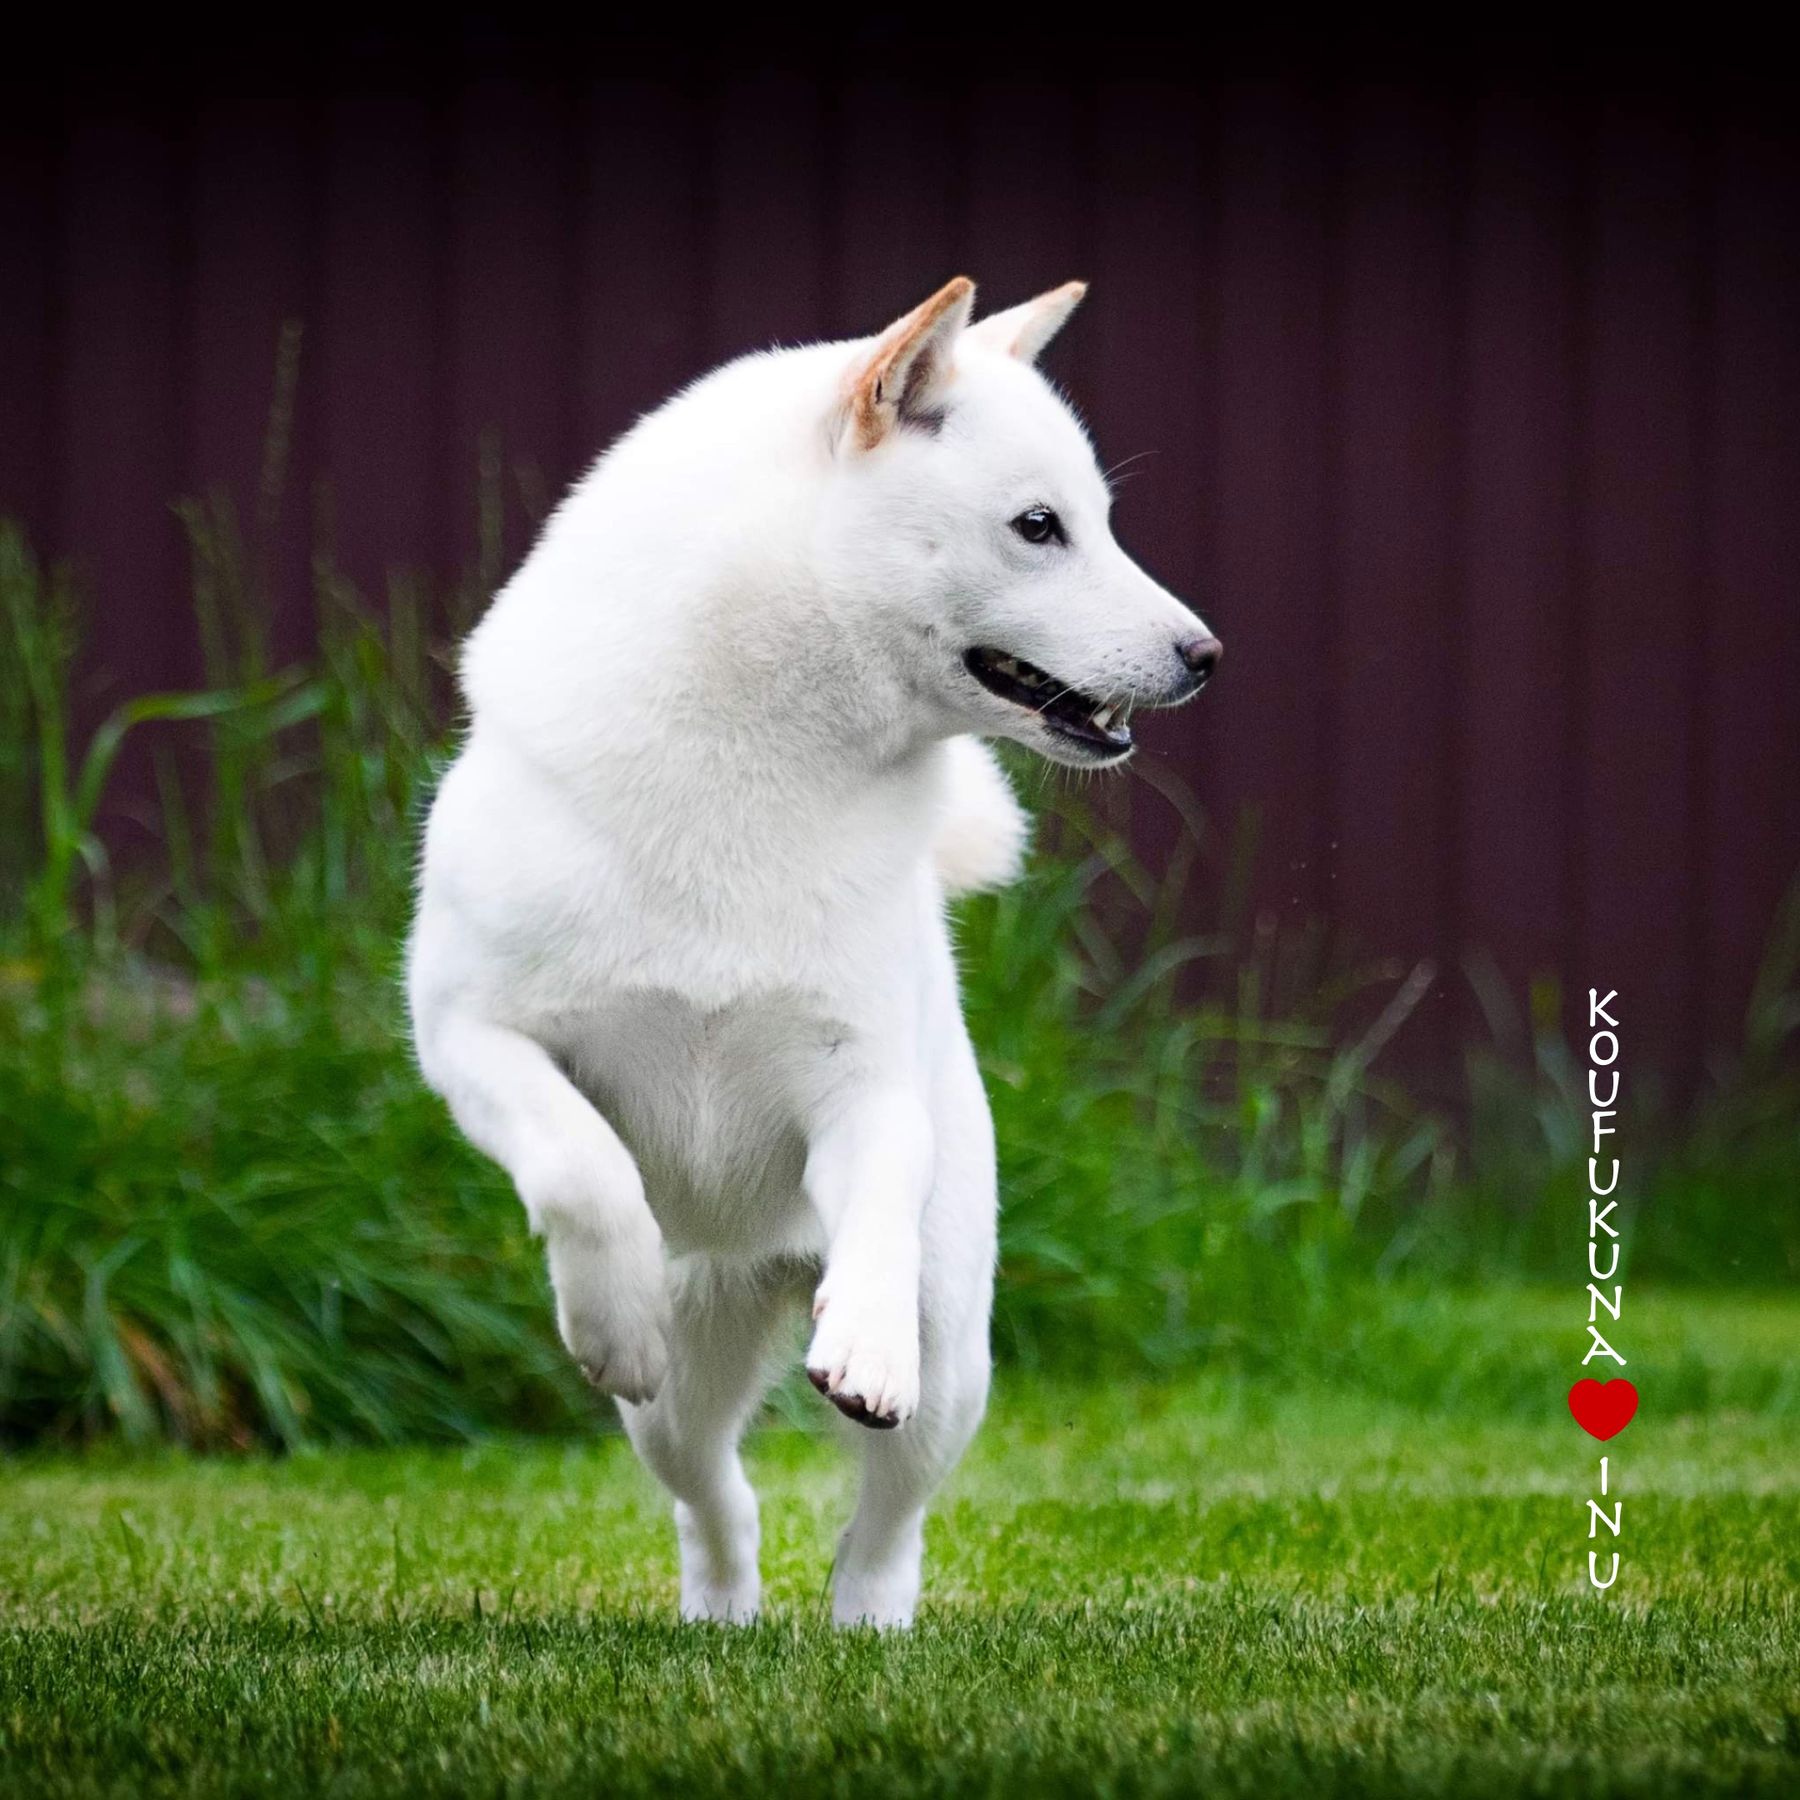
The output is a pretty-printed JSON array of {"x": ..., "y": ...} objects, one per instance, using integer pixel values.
[{"x": 681, "y": 963}]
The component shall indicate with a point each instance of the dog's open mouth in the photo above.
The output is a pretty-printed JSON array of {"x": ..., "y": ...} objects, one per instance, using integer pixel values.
[{"x": 1095, "y": 724}]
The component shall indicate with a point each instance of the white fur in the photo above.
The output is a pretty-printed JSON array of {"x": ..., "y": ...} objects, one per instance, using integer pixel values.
[{"x": 680, "y": 963}]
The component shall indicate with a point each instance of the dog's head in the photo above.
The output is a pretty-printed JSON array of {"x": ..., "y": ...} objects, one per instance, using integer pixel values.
[{"x": 968, "y": 506}]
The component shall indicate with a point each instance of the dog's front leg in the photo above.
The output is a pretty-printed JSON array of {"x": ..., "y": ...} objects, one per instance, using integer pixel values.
[
  {"x": 868, "y": 1173},
  {"x": 581, "y": 1189}
]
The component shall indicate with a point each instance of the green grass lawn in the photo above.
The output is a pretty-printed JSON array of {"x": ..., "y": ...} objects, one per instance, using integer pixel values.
[{"x": 1191, "y": 1587}]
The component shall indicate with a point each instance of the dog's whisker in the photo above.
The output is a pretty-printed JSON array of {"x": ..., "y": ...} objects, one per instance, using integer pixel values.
[{"x": 1114, "y": 477}]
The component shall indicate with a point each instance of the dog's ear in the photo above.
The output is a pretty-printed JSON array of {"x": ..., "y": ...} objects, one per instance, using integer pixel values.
[
  {"x": 1025, "y": 331},
  {"x": 903, "y": 378}
]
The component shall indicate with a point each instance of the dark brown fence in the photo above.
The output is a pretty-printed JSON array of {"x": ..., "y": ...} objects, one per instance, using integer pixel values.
[{"x": 1468, "y": 400}]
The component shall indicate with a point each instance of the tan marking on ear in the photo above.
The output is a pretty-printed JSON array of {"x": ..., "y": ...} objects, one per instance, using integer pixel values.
[{"x": 880, "y": 387}]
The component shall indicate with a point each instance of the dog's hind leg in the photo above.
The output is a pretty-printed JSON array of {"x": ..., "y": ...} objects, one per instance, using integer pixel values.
[
  {"x": 724, "y": 1318},
  {"x": 878, "y": 1572},
  {"x": 880, "y": 1557}
]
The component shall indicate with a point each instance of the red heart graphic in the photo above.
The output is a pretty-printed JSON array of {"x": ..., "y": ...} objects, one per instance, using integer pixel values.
[{"x": 1603, "y": 1408}]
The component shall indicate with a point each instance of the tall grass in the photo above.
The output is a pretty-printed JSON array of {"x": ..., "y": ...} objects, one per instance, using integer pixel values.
[{"x": 229, "y": 1213}]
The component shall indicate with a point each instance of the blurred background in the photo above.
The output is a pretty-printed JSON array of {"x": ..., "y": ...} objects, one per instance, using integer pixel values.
[{"x": 1458, "y": 390}]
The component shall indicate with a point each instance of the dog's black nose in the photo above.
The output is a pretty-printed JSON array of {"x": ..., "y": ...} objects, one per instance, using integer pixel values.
[{"x": 1201, "y": 655}]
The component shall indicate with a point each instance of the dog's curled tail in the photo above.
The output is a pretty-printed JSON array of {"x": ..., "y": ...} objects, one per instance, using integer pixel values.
[{"x": 982, "y": 835}]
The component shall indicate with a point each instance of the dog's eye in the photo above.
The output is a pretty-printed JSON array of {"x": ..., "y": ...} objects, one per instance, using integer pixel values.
[{"x": 1039, "y": 525}]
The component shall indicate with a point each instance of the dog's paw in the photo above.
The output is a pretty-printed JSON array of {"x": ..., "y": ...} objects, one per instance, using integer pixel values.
[
  {"x": 866, "y": 1365},
  {"x": 612, "y": 1307},
  {"x": 879, "y": 1589}
]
